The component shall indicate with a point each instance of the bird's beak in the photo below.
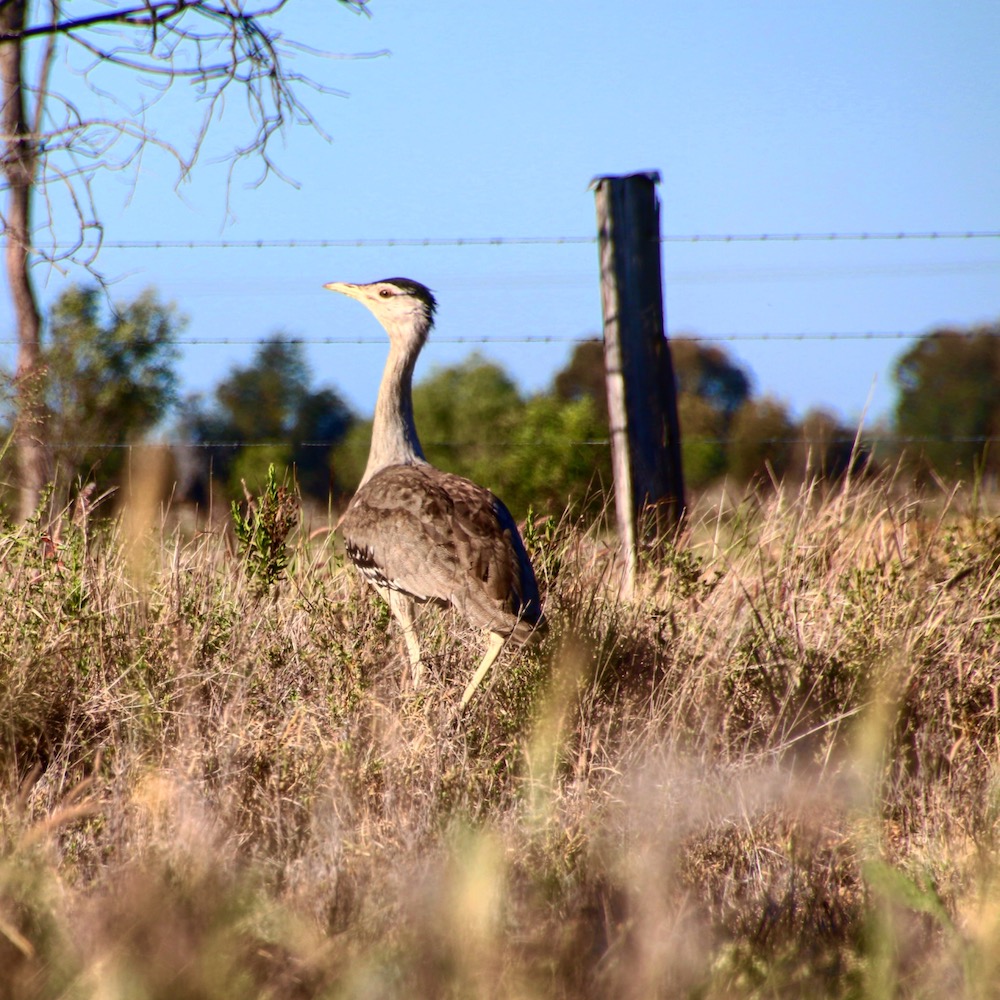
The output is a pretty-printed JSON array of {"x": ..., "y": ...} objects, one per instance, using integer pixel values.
[{"x": 344, "y": 287}]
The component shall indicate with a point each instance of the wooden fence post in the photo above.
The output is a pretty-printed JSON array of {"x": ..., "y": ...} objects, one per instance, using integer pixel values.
[{"x": 642, "y": 398}]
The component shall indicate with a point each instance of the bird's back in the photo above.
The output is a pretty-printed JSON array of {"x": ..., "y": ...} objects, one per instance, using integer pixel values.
[{"x": 439, "y": 537}]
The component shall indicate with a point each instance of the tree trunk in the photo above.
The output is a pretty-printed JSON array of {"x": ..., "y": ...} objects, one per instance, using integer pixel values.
[{"x": 19, "y": 163}]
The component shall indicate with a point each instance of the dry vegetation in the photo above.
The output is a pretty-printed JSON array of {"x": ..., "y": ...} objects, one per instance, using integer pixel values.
[{"x": 773, "y": 775}]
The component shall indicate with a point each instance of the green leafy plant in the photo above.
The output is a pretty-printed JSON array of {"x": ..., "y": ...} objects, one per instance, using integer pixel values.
[{"x": 262, "y": 525}]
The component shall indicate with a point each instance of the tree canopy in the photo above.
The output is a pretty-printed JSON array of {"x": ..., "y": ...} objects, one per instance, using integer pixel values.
[
  {"x": 584, "y": 378},
  {"x": 708, "y": 372},
  {"x": 711, "y": 389},
  {"x": 268, "y": 412},
  {"x": 949, "y": 400},
  {"x": 108, "y": 377}
]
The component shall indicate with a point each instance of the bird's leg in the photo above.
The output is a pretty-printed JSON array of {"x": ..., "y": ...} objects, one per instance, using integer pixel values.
[
  {"x": 492, "y": 652},
  {"x": 402, "y": 609}
]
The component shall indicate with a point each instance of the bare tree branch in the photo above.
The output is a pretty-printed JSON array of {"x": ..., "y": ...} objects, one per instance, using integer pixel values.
[
  {"x": 152, "y": 14},
  {"x": 59, "y": 146}
]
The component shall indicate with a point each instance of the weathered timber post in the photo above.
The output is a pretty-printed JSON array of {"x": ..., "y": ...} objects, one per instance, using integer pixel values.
[{"x": 642, "y": 398}]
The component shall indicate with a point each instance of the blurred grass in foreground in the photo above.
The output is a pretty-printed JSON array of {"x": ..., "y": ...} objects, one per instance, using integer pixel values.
[{"x": 773, "y": 774}]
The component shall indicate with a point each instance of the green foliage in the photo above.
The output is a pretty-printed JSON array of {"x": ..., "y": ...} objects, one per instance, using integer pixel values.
[
  {"x": 553, "y": 453},
  {"x": 584, "y": 378},
  {"x": 703, "y": 444},
  {"x": 263, "y": 396},
  {"x": 262, "y": 524},
  {"x": 349, "y": 457},
  {"x": 760, "y": 440},
  {"x": 539, "y": 535},
  {"x": 270, "y": 402},
  {"x": 540, "y": 452},
  {"x": 711, "y": 390},
  {"x": 546, "y": 449},
  {"x": 462, "y": 413},
  {"x": 898, "y": 887},
  {"x": 109, "y": 377},
  {"x": 949, "y": 402},
  {"x": 824, "y": 447},
  {"x": 707, "y": 371},
  {"x": 254, "y": 467},
  {"x": 553, "y": 448}
]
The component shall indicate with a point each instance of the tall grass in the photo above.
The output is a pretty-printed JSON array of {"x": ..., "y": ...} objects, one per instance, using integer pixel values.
[{"x": 771, "y": 773}]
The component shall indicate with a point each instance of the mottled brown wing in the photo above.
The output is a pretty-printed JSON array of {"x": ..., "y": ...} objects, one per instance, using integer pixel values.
[{"x": 437, "y": 536}]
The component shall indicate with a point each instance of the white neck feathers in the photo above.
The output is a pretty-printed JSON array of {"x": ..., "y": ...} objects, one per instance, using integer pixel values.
[{"x": 394, "y": 433}]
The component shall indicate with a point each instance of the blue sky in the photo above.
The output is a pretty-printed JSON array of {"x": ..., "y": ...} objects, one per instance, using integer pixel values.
[{"x": 489, "y": 120}]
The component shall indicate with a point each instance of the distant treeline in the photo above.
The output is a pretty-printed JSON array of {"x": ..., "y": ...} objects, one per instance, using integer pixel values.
[{"x": 110, "y": 379}]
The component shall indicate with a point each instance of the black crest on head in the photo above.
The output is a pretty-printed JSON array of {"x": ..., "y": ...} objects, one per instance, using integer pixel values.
[{"x": 415, "y": 289}]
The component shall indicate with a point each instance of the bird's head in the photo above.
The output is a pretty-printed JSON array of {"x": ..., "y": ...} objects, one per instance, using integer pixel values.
[{"x": 404, "y": 307}]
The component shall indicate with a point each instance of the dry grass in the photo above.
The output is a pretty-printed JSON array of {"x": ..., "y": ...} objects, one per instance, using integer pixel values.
[{"x": 772, "y": 774}]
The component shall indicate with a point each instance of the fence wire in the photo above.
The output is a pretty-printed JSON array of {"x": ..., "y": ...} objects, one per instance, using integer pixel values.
[
  {"x": 474, "y": 241},
  {"x": 546, "y": 338}
]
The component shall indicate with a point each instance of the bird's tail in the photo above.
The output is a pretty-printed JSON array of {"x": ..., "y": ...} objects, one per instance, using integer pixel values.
[{"x": 518, "y": 625}]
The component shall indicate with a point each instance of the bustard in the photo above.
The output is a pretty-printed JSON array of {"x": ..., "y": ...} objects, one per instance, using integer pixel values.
[{"x": 418, "y": 534}]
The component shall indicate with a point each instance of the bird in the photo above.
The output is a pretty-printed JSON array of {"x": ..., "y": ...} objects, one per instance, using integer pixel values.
[{"x": 421, "y": 535}]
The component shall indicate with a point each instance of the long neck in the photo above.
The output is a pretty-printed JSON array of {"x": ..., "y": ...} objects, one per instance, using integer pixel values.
[{"x": 394, "y": 434}]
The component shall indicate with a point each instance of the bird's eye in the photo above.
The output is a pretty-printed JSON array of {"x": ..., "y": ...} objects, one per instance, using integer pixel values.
[{"x": 384, "y": 293}]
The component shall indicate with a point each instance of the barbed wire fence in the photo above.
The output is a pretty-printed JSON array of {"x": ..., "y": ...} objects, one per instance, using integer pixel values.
[
  {"x": 735, "y": 337},
  {"x": 461, "y": 241}
]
